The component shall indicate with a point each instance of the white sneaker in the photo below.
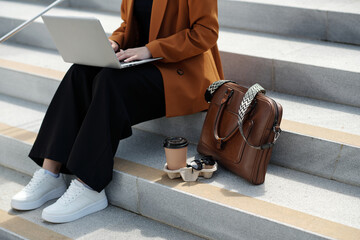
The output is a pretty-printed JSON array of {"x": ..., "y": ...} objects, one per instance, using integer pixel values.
[
  {"x": 38, "y": 191},
  {"x": 77, "y": 202}
]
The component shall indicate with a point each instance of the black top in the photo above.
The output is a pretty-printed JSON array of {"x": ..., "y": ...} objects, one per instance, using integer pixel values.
[{"x": 142, "y": 13}]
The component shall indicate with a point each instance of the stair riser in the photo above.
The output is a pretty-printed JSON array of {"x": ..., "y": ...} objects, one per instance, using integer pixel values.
[
  {"x": 318, "y": 157},
  {"x": 65, "y": 3},
  {"x": 14, "y": 155},
  {"x": 28, "y": 87},
  {"x": 344, "y": 28},
  {"x": 103, "y": 5},
  {"x": 320, "y": 83},
  {"x": 4, "y": 234},
  {"x": 34, "y": 34},
  {"x": 304, "y": 23}
]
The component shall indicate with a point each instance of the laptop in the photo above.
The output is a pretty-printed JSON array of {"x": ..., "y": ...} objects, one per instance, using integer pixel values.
[{"x": 82, "y": 40}]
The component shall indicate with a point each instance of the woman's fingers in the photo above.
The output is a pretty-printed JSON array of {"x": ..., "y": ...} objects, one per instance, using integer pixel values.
[
  {"x": 132, "y": 58},
  {"x": 133, "y": 54}
]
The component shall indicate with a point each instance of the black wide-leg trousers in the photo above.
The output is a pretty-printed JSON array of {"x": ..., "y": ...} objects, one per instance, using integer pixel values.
[{"x": 91, "y": 111}]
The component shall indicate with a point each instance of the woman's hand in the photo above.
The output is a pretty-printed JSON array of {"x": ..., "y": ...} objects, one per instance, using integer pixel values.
[
  {"x": 133, "y": 54},
  {"x": 114, "y": 45}
]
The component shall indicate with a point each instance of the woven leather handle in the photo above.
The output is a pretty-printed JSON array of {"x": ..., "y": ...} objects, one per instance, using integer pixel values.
[{"x": 245, "y": 103}]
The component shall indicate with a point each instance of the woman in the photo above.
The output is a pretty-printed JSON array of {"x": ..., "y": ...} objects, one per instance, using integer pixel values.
[{"x": 94, "y": 108}]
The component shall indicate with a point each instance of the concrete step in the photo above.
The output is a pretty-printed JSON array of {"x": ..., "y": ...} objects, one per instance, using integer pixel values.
[
  {"x": 332, "y": 21},
  {"x": 289, "y": 205},
  {"x": 328, "y": 131},
  {"x": 111, "y": 223},
  {"x": 324, "y": 71}
]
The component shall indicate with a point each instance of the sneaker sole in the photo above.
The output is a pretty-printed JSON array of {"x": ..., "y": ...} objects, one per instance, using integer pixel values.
[
  {"x": 95, "y": 207},
  {"x": 20, "y": 205}
]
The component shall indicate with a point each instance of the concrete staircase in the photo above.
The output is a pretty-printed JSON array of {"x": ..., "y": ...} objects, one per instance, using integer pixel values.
[{"x": 305, "y": 53}]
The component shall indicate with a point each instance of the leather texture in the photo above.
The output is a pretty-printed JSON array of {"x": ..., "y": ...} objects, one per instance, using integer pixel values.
[
  {"x": 221, "y": 138},
  {"x": 184, "y": 33}
]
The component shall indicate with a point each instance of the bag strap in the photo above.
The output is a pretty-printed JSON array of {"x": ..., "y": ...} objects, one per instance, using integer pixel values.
[{"x": 245, "y": 103}]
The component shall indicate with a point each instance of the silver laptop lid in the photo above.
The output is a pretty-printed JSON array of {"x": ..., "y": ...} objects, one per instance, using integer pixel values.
[{"x": 81, "y": 40}]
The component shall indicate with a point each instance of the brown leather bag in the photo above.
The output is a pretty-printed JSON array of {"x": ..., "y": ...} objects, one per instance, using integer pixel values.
[{"x": 240, "y": 129}]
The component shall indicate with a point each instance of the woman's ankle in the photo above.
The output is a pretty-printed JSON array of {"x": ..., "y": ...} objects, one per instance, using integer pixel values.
[{"x": 51, "y": 166}]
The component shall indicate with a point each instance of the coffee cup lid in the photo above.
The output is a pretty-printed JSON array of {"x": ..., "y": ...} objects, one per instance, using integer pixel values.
[{"x": 175, "y": 142}]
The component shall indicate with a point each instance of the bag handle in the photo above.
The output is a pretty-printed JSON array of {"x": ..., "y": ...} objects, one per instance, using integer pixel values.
[
  {"x": 245, "y": 103},
  {"x": 219, "y": 140}
]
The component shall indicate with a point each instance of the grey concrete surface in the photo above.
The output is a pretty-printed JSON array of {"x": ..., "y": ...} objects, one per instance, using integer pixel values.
[
  {"x": 40, "y": 57},
  {"x": 103, "y": 5},
  {"x": 315, "y": 19},
  {"x": 276, "y": 19},
  {"x": 20, "y": 113},
  {"x": 307, "y": 154},
  {"x": 111, "y": 223},
  {"x": 247, "y": 69},
  {"x": 209, "y": 218},
  {"x": 123, "y": 191},
  {"x": 307, "y": 52},
  {"x": 317, "y": 70},
  {"x": 344, "y": 27},
  {"x": 325, "y": 84},
  {"x": 65, "y": 3},
  {"x": 14, "y": 155},
  {"x": 319, "y": 113},
  {"x": 39, "y": 89},
  {"x": 7, "y": 235},
  {"x": 347, "y": 168}
]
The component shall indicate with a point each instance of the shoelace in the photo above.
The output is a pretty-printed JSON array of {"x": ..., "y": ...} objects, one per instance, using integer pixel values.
[
  {"x": 71, "y": 193},
  {"x": 35, "y": 181}
]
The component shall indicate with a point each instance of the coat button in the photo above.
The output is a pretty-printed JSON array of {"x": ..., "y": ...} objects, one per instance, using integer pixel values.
[{"x": 180, "y": 72}]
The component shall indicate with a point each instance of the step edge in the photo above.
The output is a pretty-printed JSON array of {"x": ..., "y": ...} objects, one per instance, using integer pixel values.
[
  {"x": 32, "y": 69},
  {"x": 27, "y": 229},
  {"x": 322, "y": 133}
]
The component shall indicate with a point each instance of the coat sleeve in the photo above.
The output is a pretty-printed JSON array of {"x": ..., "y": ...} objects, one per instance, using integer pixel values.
[
  {"x": 118, "y": 34},
  {"x": 198, "y": 38}
]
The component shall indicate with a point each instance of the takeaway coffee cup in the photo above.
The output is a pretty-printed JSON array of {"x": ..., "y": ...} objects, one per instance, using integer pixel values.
[{"x": 175, "y": 152}]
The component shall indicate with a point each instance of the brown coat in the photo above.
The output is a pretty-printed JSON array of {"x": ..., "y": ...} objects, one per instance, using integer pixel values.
[{"x": 184, "y": 34}]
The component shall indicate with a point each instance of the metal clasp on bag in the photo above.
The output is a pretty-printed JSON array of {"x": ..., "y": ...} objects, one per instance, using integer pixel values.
[{"x": 277, "y": 131}]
